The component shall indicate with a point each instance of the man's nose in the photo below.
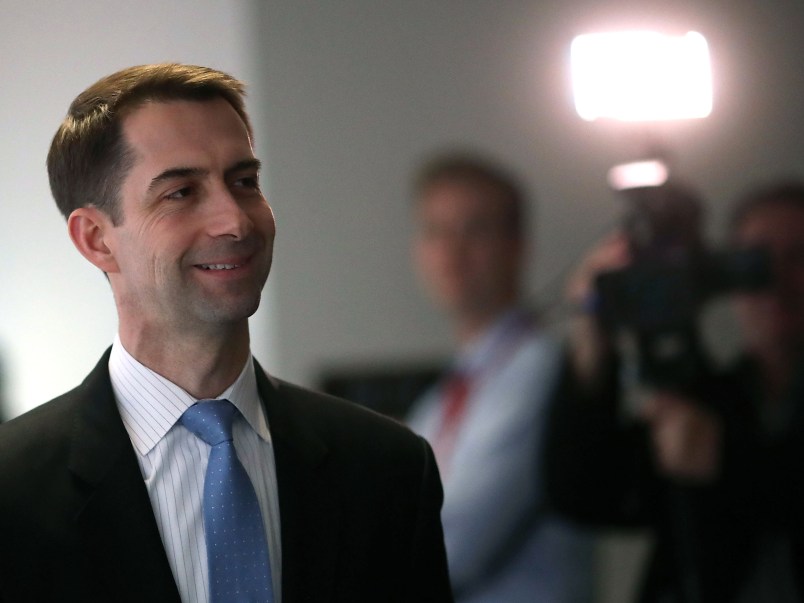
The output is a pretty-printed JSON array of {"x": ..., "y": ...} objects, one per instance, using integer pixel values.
[{"x": 227, "y": 217}]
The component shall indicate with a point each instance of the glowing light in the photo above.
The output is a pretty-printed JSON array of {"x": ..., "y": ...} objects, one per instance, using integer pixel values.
[
  {"x": 641, "y": 76},
  {"x": 638, "y": 174}
]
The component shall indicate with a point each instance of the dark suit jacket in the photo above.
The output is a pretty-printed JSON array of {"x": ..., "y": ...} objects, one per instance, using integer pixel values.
[{"x": 359, "y": 500}]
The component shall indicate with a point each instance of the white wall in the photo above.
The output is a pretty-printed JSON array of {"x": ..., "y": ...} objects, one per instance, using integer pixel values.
[{"x": 56, "y": 311}]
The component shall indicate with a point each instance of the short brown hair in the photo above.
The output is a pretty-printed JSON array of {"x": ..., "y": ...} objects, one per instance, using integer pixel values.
[
  {"x": 89, "y": 157},
  {"x": 473, "y": 168}
]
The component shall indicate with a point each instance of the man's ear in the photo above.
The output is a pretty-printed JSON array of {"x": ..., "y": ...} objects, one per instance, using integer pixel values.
[{"x": 89, "y": 228}]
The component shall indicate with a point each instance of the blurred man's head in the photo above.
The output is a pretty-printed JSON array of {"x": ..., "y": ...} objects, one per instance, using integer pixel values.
[
  {"x": 773, "y": 217},
  {"x": 470, "y": 236}
]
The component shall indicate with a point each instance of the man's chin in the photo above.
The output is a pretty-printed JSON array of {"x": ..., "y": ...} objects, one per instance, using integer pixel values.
[{"x": 226, "y": 311}]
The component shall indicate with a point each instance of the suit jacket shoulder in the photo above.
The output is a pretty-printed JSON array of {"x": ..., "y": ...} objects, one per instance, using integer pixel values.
[{"x": 75, "y": 515}]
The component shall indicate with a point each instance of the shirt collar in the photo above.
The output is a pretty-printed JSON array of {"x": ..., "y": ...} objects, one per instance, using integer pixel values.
[{"x": 150, "y": 405}]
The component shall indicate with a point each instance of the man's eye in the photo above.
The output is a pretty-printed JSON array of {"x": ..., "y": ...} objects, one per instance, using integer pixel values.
[
  {"x": 180, "y": 193},
  {"x": 251, "y": 182}
]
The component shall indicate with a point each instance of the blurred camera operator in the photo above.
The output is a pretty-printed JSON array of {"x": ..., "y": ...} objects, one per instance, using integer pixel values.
[{"x": 717, "y": 475}]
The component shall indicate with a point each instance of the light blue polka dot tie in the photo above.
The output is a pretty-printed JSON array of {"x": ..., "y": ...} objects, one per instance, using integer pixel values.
[{"x": 237, "y": 550}]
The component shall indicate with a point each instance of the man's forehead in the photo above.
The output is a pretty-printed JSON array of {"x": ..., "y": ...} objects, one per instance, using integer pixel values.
[
  {"x": 158, "y": 119},
  {"x": 462, "y": 199},
  {"x": 168, "y": 130}
]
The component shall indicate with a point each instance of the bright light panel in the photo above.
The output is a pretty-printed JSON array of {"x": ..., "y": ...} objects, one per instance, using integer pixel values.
[
  {"x": 638, "y": 174},
  {"x": 641, "y": 76}
]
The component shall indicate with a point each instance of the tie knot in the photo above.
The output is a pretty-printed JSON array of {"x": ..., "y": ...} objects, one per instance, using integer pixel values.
[{"x": 210, "y": 420}]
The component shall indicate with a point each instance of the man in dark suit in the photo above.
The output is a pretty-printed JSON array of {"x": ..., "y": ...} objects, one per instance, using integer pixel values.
[{"x": 104, "y": 490}]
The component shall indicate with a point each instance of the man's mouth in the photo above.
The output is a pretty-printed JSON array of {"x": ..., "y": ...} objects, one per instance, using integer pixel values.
[{"x": 218, "y": 266}]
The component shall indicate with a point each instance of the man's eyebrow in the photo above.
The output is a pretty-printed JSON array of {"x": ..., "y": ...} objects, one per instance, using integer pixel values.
[{"x": 252, "y": 164}]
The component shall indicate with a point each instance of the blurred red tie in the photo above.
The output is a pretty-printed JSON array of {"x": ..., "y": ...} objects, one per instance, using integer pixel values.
[{"x": 455, "y": 393}]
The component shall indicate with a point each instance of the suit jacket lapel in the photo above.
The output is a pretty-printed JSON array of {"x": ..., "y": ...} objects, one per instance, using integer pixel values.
[
  {"x": 115, "y": 517},
  {"x": 309, "y": 498}
]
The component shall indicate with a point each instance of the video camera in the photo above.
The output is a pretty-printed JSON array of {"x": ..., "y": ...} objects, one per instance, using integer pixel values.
[{"x": 659, "y": 297}]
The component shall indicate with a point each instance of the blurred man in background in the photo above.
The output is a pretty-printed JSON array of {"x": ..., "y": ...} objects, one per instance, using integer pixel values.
[
  {"x": 485, "y": 418},
  {"x": 717, "y": 474}
]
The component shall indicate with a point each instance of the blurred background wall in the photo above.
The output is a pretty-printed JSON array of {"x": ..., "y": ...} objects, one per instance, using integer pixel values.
[{"x": 347, "y": 97}]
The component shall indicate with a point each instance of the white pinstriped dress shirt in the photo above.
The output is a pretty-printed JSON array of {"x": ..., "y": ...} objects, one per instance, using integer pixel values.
[{"x": 173, "y": 462}]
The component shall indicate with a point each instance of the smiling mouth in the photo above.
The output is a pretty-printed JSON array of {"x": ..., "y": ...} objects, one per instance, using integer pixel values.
[{"x": 219, "y": 266}]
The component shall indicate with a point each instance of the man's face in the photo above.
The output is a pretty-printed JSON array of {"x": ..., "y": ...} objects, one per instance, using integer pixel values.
[
  {"x": 464, "y": 251},
  {"x": 195, "y": 244},
  {"x": 773, "y": 320}
]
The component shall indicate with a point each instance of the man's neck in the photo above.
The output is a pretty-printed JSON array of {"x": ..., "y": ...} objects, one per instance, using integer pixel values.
[
  {"x": 471, "y": 325},
  {"x": 202, "y": 364}
]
